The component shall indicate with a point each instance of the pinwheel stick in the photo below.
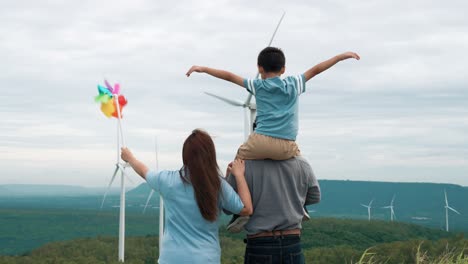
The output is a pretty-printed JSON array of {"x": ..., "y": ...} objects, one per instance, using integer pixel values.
[
  {"x": 122, "y": 190},
  {"x": 119, "y": 117}
]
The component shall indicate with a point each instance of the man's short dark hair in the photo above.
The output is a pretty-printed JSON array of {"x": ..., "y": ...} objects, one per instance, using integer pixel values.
[{"x": 271, "y": 59}]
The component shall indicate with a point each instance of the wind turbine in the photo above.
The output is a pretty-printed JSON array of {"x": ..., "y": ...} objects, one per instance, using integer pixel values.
[
  {"x": 119, "y": 166},
  {"x": 250, "y": 108},
  {"x": 447, "y": 207},
  {"x": 392, "y": 213},
  {"x": 369, "y": 206},
  {"x": 161, "y": 202},
  {"x": 156, "y": 168}
]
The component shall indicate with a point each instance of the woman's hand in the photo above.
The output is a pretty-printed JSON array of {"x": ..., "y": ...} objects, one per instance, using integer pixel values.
[
  {"x": 126, "y": 155},
  {"x": 228, "y": 169},
  {"x": 137, "y": 165},
  {"x": 237, "y": 168}
]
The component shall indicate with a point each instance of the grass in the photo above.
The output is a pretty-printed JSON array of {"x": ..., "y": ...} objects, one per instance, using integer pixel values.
[{"x": 450, "y": 256}]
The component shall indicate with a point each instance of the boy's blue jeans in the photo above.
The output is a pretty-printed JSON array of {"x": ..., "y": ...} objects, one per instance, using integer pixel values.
[{"x": 274, "y": 250}]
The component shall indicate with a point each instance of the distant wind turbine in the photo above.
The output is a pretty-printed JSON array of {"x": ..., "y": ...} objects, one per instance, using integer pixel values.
[
  {"x": 156, "y": 168},
  {"x": 161, "y": 202},
  {"x": 250, "y": 108},
  {"x": 447, "y": 207},
  {"x": 392, "y": 212},
  {"x": 369, "y": 206}
]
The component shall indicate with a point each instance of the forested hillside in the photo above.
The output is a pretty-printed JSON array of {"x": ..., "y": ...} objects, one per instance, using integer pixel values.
[
  {"x": 326, "y": 241},
  {"x": 29, "y": 222},
  {"x": 419, "y": 203}
]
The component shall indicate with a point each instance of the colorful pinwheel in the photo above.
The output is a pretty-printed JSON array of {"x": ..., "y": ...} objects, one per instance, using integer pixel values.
[{"x": 109, "y": 97}]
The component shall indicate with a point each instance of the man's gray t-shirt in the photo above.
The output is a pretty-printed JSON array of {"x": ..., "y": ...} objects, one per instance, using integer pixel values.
[{"x": 279, "y": 190}]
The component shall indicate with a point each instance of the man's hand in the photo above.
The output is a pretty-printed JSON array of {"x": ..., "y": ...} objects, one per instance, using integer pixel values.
[
  {"x": 126, "y": 155},
  {"x": 349, "y": 55},
  {"x": 195, "y": 68}
]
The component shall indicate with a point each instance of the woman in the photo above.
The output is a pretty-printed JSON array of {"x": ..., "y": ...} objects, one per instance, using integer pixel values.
[{"x": 194, "y": 197}]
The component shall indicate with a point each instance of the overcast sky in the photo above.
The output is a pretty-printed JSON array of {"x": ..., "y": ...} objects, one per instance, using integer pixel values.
[{"x": 398, "y": 114}]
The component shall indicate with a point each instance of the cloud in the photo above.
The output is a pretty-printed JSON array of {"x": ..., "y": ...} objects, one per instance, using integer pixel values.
[{"x": 400, "y": 110}]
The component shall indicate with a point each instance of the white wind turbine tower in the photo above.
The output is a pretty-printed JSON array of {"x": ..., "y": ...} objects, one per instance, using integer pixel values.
[
  {"x": 119, "y": 166},
  {"x": 161, "y": 202},
  {"x": 250, "y": 108},
  {"x": 447, "y": 207},
  {"x": 392, "y": 212},
  {"x": 369, "y": 206}
]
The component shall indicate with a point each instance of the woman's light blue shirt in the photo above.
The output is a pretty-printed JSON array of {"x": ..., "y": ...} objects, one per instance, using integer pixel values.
[{"x": 188, "y": 237}]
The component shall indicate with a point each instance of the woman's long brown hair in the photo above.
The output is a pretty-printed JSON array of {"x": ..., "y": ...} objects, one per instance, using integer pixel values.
[{"x": 199, "y": 157}]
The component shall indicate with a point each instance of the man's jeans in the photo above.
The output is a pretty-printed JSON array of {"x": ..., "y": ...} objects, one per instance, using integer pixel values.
[{"x": 274, "y": 250}]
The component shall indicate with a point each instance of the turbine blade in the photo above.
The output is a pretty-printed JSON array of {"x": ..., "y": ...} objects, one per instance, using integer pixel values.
[
  {"x": 371, "y": 202},
  {"x": 128, "y": 178},
  {"x": 393, "y": 199},
  {"x": 110, "y": 184},
  {"x": 365, "y": 205},
  {"x": 453, "y": 210},
  {"x": 229, "y": 101},
  {"x": 148, "y": 200},
  {"x": 276, "y": 29},
  {"x": 269, "y": 44},
  {"x": 122, "y": 169}
]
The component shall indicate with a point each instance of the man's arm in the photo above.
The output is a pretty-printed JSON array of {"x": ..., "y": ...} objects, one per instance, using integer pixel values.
[
  {"x": 221, "y": 74},
  {"x": 325, "y": 65},
  {"x": 313, "y": 195}
]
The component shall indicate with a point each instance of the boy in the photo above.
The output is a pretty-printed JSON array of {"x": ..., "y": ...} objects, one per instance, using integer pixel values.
[
  {"x": 277, "y": 108},
  {"x": 277, "y": 103}
]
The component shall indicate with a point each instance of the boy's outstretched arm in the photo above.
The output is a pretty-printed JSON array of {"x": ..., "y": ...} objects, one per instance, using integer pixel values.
[
  {"x": 325, "y": 65},
  {"x": 221, "y": 74}
]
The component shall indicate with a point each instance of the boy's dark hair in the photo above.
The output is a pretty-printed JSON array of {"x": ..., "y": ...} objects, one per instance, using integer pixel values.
[{"x": 271, "y": 59}]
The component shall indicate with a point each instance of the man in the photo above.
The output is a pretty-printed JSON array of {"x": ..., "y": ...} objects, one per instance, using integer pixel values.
[{"x": 279, "y": 189}]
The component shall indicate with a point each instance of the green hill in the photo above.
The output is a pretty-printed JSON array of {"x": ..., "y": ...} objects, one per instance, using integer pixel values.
[
  {"x": 31, "y": 221},
  {"x": 324, "y": 241},
  {"x": 37, "y": 190},
  {"x": 419, "y": 203}
]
